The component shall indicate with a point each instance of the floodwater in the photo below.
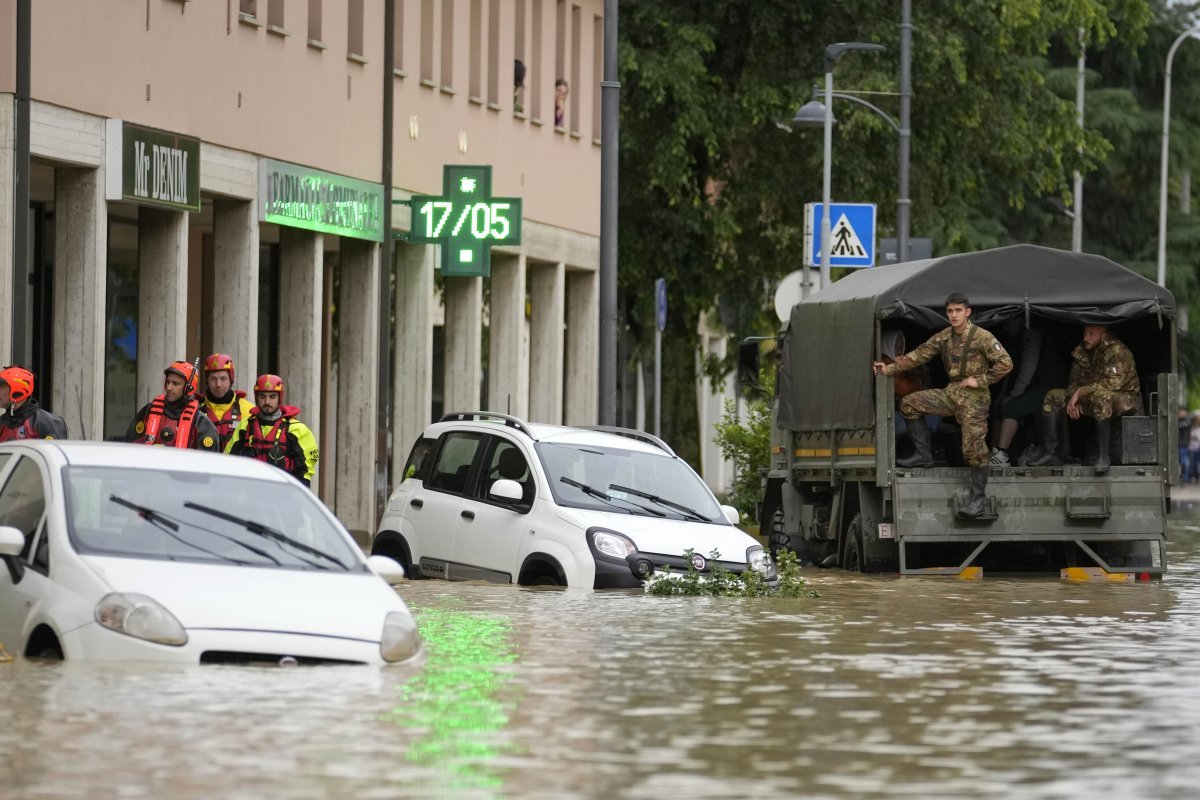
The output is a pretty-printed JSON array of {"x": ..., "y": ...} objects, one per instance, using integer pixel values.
[{"x": 879, "y": 687}]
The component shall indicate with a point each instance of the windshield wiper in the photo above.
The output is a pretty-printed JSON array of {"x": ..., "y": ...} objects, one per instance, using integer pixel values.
[
  {"x": 268, "y": 533},
  {"x": 599, "y": 494},
  {"x": 671, "y": 504},
  {"x": 171, "y": 527}
]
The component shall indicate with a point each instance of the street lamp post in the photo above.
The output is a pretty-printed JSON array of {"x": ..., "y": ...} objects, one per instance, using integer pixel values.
[
  {"x": 832, "y": 53},
  {"x": 1166, "y": 136}
]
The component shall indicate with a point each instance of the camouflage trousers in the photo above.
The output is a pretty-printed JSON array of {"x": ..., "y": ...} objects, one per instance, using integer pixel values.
[
  {"x": 969, "y": 407},
  {"x": 1099, "y": 403}
]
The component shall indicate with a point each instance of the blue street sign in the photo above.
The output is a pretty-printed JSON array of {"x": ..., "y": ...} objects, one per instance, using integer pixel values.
[
  {"x": 852, "y": 234},
  {"x": 660, "y": 303}
]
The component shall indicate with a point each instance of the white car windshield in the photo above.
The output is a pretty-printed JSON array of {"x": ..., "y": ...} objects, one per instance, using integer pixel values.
[
  {"x": 628, "y": 481},
  {"x": 191, "y": 516}
]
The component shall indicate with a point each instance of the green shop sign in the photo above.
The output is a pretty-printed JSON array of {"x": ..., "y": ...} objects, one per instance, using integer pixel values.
[
  {"x": 300, "y": 197},
  {"x": 158, "y": 168},
  {"x": 465, "y": 220}
]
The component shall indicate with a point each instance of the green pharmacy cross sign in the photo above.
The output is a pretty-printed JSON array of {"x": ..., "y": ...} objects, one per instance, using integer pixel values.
[{"x": 466, "y": 220}]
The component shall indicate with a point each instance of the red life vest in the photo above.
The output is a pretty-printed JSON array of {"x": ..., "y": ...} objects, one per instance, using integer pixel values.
[
  {"x": 161, "y": 429},
  {"x": 270, "y": 446},
  {"x": 228, "y": 421}
]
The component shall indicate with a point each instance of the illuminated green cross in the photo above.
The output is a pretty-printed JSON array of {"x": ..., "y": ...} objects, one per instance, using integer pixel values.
[{"x": 466, "y": 220}]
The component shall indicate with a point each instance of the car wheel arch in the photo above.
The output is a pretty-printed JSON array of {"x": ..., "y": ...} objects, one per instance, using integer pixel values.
[
  {"x": 393, "y": 545},
  {"x": 43, "y": 642},
  {"x": 539, "y": 566}
]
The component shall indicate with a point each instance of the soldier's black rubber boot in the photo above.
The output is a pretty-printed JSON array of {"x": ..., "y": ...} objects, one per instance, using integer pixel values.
[
  {"x": 978, "y": 478},
  {"x": 1051, "y": 427},
  {"x": 922, "y": 456},
  {"x": 1102, "y": 428}
]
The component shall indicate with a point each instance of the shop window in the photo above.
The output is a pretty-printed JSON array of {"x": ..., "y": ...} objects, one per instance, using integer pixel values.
[
  {"x": 268, "y": 308},
  {"x": 121, "y": 328}
]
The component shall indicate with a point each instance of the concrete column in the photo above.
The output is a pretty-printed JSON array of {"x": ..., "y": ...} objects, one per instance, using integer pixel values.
[
  {"x": 358, "y": 356},
  {"x": 80, "y": 254},
  {"x": 547, "y": 286},
  {"x": 412, "y": 372},
  {"x": 464, "y": 335},
  {"x": 162, "y": 297},
  {"x": 301, "y": 269},
  {"x": 7, "y": 122},
  {"x": 583, "y": 347},
  {"x": 508, "y": 350},
  {"x": 233, "y": 317}
]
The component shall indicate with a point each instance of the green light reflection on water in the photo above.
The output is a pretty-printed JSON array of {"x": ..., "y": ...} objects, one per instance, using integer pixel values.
[{"x": 456, "y": 698}]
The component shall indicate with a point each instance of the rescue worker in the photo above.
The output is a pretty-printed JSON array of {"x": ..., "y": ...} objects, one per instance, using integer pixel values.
[
  {"x": 23, "y": 417},
  {"x": 272, "y": 433},
  {"x": 225, "y": 406},
  {"x": 974, "y": 359},
  {"x": 1103, "y": 383},
  {"x": 175, "y": 418}
]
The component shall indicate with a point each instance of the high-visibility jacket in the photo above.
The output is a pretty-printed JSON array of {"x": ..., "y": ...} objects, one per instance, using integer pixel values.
[
  {"x": 226, "y": 414},
  {"x": 285, "y": 442}
]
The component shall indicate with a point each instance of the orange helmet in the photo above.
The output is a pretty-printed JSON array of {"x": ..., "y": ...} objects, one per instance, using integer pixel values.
[
  {"x": 269, "y": 383},
  {"x": 191, "y": 382},
  {"x": 220, "y": 361},
  {"x": 19, "y": 381}
]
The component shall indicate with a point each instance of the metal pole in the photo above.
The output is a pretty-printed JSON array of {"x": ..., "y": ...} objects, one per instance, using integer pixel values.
[
  {"x": 610, "y": 92},
  {"x": 826, "y": 226},
  {"x": 1166, "y": 136},
  {"x": 903, "y": 202},
  {"x": 1077, "y": 221},
  {"x": 383, "y": 378},
  {"x": 20, "y": 265},
  {"x": 657, "y": 381}
]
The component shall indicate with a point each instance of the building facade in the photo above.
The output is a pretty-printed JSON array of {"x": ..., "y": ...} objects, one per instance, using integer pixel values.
[{"x": 206, "y": 176}]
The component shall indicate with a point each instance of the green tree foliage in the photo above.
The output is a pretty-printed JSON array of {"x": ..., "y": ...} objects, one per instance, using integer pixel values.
[
  {"x": 714, "y": 179},
  {"x": 746, "y": 441}
]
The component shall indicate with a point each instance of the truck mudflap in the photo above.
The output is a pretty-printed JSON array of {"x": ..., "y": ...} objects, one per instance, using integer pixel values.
[{"x": 1036, "y": 520}]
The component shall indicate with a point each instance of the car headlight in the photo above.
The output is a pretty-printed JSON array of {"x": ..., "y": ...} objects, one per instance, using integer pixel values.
[
  {"x": 761, "y": 562},
  {"x": 400, "y": 640},
  {"x": 612, "y": 544},
  {"x": 141, "y": 617}
]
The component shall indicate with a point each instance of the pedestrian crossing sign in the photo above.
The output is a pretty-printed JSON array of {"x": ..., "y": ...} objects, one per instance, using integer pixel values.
[{"x": 852, "y": 234}]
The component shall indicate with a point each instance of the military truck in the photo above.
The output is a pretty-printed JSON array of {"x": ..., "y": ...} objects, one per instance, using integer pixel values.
[{"x": 833, "y": 492}]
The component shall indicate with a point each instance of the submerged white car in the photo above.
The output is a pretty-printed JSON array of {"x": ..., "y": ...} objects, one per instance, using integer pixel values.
[
  {"x": 492, "y": 497},
  {"x": 115, "y": 551}
]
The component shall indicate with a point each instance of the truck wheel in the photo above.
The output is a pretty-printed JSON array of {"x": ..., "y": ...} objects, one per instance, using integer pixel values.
[{"x": 852, "y": 549}]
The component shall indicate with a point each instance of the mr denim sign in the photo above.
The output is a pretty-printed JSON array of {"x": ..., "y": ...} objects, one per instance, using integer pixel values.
[{"x": 852, "y": 233}]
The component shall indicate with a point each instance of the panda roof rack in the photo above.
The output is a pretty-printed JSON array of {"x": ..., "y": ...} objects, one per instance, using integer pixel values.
[
  {"x": 631, "y": 433},
  {"x": 508, "y": 420}
]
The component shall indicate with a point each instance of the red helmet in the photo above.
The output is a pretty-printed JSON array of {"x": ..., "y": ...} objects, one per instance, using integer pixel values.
[
  {"x": 220, "y": 361},
  {"x": 269, "y": 383},
  {"x": 191, "y": 382},
  {"x": 19, "y": 381}
]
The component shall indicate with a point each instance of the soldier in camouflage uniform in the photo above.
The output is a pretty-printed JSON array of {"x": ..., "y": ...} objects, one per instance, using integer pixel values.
[
  {"x": 974, "y": 360},
  {"x": 1103, "y": 383}
]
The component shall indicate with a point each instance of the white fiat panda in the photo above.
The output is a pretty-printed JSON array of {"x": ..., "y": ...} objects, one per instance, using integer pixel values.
[{"x": 490, "y": 497}]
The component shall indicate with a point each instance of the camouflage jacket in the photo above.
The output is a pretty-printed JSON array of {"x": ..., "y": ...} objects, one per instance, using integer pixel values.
[
  {"x": 1107, "y": 366},
  {"x": 976, "y": 354}
]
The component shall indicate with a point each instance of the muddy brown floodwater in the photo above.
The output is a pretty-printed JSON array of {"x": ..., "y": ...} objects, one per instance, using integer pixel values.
[{"x": 880, "y": 687}]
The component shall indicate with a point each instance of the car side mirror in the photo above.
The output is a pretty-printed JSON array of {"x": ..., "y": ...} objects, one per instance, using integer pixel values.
[
  {"x": 12, "y": 542},
  {"x": 731, "y": 515},
  {"x": 387, "y": 568},
  {"x": 509, "y": 491}
]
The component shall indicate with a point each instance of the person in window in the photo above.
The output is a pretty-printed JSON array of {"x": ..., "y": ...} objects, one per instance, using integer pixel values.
[
  {"x": 518, "y": 84},
  {"x": 561, "y": 90},
  {"x": 23, "y": 417},
  {"x": 176, "y": 417},
  {"x": 274, "y": 434}
]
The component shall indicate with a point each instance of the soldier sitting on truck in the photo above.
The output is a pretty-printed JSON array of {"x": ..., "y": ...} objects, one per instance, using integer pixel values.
[
  {"x": 974, "y": 359},
  {"x": 1103, "y": 383}
]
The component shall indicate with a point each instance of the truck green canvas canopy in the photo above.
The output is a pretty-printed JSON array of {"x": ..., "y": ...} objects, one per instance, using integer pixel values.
[{"x": 831, "y": 333}]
